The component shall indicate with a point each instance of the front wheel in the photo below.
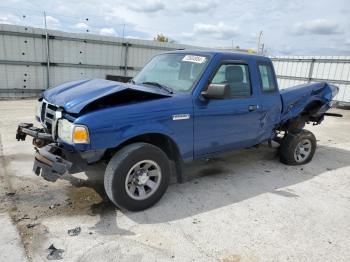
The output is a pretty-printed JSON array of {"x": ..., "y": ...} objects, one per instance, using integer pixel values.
[
  {"x": 137, "y": 176},
  {"x": 297, "y": 148}
]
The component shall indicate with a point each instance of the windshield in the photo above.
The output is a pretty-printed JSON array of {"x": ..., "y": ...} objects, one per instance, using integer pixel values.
[{"x": 176, "y": 71}]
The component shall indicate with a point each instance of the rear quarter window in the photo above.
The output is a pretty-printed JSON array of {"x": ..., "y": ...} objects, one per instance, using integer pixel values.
[{"x": 267, "y": 78}]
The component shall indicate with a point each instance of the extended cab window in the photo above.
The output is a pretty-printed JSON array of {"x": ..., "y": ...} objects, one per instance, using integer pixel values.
[
  {"x": 267, "y": 78},
  {"x": 236, "y": 76}
]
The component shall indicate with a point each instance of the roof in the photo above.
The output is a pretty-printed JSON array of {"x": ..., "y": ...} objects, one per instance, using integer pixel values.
[{"x": 238, "y": 55}]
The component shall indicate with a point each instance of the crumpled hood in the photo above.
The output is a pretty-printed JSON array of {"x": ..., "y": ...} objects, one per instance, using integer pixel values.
[{"x": 74, "y": 96}]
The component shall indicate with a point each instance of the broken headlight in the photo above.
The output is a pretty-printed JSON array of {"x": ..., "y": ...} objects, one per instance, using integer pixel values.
[
  {"x": 38, "y": 109},
  {"x": 71, "y": 133}
]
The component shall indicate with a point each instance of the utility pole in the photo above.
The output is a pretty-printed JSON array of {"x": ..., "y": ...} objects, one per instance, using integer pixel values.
[
  {"x": 47, "y": 53},
  {"x": 126, "y": 52},
  {"x": 259, "y": 41},
  {"x": 123, "y": 31}
]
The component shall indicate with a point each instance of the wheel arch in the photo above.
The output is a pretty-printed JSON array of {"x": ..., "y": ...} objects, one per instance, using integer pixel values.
[
  {"x": 160, "y": 140},
  {"x": 312, "y": 107},
  {"x": 299, "y": 120}
]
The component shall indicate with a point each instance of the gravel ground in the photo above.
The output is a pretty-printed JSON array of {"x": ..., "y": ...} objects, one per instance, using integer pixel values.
[{"x": 244, "y": 206}]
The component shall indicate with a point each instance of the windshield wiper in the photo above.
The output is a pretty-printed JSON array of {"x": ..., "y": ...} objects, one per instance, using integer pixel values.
[
  {"x": 166, "y": 88},
  {"x": 132, "y": 81}
]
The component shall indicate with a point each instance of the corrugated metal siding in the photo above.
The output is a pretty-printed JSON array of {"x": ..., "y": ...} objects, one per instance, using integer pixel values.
[
  {"x": 23, "y": 67},
  {"x": 294, "y": 70}
]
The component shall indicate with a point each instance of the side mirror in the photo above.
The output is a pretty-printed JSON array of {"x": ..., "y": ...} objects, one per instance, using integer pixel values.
[{"x": 217, "y": 91}]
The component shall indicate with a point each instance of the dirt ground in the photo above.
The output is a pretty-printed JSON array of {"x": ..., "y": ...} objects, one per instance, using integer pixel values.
[{"x": 244, "y": 206}]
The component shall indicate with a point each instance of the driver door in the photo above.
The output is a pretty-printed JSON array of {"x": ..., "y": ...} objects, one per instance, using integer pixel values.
[{"x": 225, "y": 124}]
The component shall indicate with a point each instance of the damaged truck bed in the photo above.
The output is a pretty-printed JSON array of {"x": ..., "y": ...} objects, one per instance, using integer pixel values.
[{"x": 182, "y": 106}]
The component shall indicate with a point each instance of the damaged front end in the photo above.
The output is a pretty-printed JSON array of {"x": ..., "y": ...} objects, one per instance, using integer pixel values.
[
  {"x": 64, "y": 146},
  {"x": 48, "y": 160},
  {"x": 51, "y": 161},
  {"x": 40, "y": 137}
]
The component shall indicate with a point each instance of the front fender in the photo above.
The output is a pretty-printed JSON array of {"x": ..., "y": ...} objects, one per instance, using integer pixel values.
[
  {"x": 110, "y": 127},
  {"x": 113, "y": 137},
  {"x": 133, "y": 131}
]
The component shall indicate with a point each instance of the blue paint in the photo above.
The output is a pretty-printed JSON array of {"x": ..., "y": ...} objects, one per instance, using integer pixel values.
[
  {"x": 74, "y": 96},
  {"x": 213, "y": 126},
  {"x": 296, "y": 98}
]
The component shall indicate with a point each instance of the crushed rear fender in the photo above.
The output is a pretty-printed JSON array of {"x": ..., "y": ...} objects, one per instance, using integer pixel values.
[{"x": 297, "y": 98}]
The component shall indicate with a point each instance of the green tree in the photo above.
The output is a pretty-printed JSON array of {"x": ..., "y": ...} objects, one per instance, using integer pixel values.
[{"x": 161, "y": 38}]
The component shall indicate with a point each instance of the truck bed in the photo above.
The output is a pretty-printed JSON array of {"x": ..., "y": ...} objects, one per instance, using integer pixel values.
[{"x": 296, "y": 99}]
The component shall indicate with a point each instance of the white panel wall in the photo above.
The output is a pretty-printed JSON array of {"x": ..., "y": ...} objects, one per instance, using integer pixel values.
[
  {"x": 23, "y": 70},
  {"x": 23, "y": 67},
  {"x": 294, "y": 70}
]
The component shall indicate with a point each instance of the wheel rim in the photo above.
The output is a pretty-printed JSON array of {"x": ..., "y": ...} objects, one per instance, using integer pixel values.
[
  {"x": 143, "y": 179},
  {"x": 302, "y": 150}
]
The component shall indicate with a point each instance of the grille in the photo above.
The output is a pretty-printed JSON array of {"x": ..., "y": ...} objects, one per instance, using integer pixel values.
[{"x": 48, "y": 115}]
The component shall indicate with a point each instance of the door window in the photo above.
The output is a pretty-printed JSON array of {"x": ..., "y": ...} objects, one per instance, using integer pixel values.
[{"x": 236, "y": 76}]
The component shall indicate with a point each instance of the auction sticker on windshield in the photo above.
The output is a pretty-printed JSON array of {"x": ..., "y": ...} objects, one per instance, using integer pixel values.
[{"x": 194, "y": 59}]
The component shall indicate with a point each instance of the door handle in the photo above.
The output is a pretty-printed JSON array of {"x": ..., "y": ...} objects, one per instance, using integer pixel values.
[{"x": 253, "y": 108}]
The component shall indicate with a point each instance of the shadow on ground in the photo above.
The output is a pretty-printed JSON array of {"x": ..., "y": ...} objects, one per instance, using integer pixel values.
[
  {"x": 210, "y": 184},
  {"x": 237, "y": 177},
  {"x": 219, "y": 182}
]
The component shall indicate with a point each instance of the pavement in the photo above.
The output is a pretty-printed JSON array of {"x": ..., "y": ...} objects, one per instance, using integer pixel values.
[{"x": 242, "y": 206}]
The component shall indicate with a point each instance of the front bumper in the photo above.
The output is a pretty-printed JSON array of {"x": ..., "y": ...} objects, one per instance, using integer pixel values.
[
  {"x": 25, "y": 129},
  {"x": 53, "y": 160},
  {"x": 49, "y": 162}
]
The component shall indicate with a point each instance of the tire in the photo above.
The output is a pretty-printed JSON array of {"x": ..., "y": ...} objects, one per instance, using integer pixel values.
[
  {"x": 297, "y": 148},
  {"x": 137, "y": 163}
]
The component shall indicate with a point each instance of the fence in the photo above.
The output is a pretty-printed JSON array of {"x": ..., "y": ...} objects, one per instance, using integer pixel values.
[
  {"x": 33, "y": 59},
  {"x": 294, "y": 70}
]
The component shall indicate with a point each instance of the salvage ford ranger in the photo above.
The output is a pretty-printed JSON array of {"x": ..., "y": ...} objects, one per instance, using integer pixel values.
[{"x": 182, "y": 106}]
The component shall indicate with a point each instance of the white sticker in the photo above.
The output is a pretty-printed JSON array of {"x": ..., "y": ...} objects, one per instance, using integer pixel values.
[{"x": 194, "y": 59}]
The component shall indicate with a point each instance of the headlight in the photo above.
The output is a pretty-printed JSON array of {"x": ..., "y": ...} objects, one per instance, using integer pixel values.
[
  {"x": 64, "y": 130},
  {"x": 38, "y": 109},
  {"x": 70, "y": 133}
]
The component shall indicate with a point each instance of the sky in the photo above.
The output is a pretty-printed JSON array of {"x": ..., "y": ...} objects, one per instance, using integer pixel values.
[{"x": 295, "y": 27}]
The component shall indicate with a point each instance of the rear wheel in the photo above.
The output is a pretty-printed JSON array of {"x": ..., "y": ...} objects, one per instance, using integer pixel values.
[
  {"x": 137, "y": 176},
  {"x": 297, "y": 148}
]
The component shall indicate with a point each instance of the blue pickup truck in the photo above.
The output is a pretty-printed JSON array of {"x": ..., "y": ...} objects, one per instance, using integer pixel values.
[{"x": 182, "y": 106}]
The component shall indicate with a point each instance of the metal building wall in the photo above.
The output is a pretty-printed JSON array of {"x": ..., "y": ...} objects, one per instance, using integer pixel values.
[
  {"x": 294, "y": 70},
  {"x": 23, "y": 60},
  {"x": 23, "y": 65}
]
